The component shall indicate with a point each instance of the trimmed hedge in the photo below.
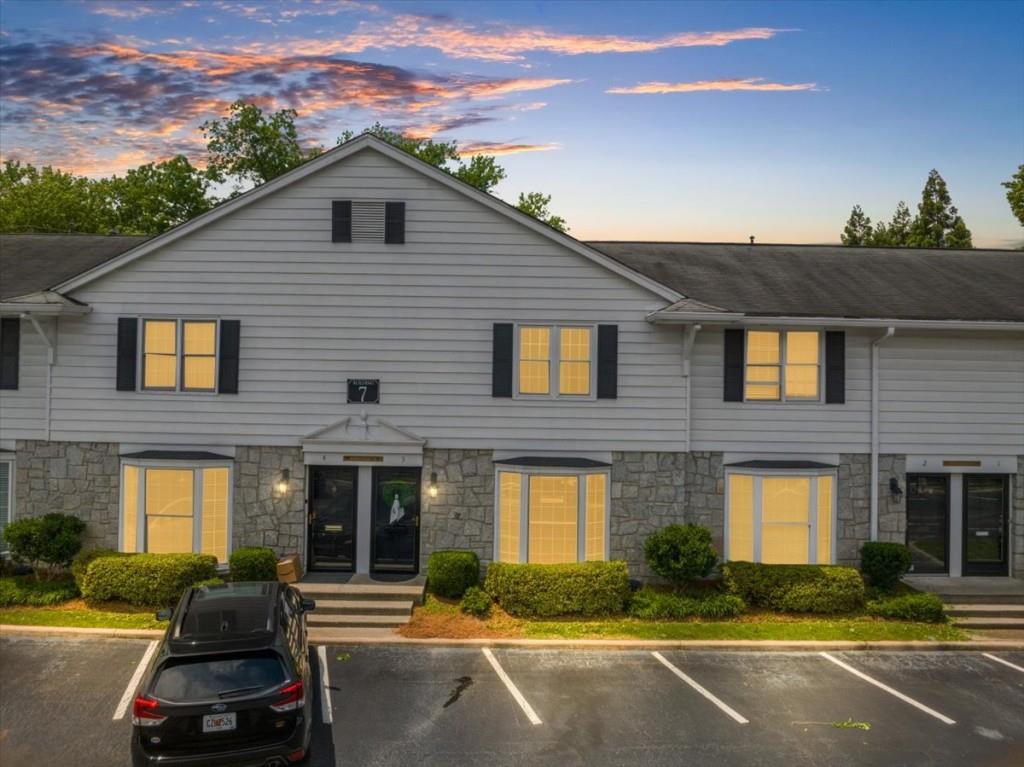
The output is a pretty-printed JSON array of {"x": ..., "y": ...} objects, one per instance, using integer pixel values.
[
  {"x": 648, "y": 604},
  {"x": 253, "y": 563},
  {"x": 476, "y": 602},
  {"x": 796, "y": 588},
  {"x": 909, "y": 607},
  {"x": 546, "y": 591},
  {"x": 52, "y": 539},
  {"x": 450, "y": 573},
  {"x": 26, "y": 590},
  {"x": 151, "y": 580},
  {"x": 83, "y": 559},
  {"x": 680, "y": 553},
  {"x": 884, "y": 563}
]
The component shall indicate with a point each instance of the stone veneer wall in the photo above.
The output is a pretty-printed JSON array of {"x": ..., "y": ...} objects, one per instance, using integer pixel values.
[
  {"x": 261, "y": 516},
  {"x": 80, "y": 478},
  {"x": 462, "y": 515},
  {"x": 647, "y": 493},
  {"x": 1017, "y": 522},
  {"x": 705, "y": 493}
]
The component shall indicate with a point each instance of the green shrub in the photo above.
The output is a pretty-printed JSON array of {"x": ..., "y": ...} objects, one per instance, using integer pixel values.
[
  {"x": 926, "y": 608},
  {"x": 26, "y": 590},
  {"x": 884, "y": 563},
  {"x": 796, "y": 588},
  {"x": 51, "y": 540},
  {"x": 82, "y": 560},
  {"x": 209, "y": 582},
  {"x": 545, "y": 591},
  {"x": 476, "y": 602},
  {"x": 253, "y": 563},
  {"x": 151, "y": 580},
  {"x": 680, "y": 553},
  {"x": 450, "y": 573},
  {"x": 649, "y": 604}
]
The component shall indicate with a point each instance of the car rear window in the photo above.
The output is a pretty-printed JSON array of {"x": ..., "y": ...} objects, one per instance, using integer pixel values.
[{"x": 203, "y": 678}]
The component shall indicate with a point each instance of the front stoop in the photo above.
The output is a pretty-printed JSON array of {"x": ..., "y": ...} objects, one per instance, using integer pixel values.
[
  {"x": 987, "y": 616},
  {"x": 367, "y": 610}
]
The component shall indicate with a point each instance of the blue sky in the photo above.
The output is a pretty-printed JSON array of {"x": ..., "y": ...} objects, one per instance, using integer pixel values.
[{"x": 682, "y": 121}]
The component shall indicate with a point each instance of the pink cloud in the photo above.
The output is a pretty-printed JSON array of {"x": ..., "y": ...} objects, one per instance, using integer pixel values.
[{"x": 734, "y": 84}]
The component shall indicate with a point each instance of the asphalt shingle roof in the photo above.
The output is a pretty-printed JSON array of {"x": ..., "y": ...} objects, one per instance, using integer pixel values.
[
  {"x": 33, "y": 262},
  {"x": 835, "y": 281}
]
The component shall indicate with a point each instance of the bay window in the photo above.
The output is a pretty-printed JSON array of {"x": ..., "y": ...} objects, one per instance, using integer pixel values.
[
  {"x": 555, "y": 361},
  {"x": 780, "y": 518},
  {"x": 175, "y": 509},
  {"x": 782, "y": 365},
  {"x": 548, "y": 518}
]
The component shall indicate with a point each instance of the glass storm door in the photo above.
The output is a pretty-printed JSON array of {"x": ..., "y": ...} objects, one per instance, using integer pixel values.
[
  {"x": 928, "y": 522},
  {"x": 332, "y": 517},
  {"x": 396, "y": 519},
  {"x": 986, "y": 503}
]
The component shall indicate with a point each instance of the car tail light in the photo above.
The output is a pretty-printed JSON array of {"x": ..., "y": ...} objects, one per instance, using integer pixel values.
[
  {"x": 297, "y": 756},
  {"x": 292, "y": 697},
  {"x": 144, "y": 712}
]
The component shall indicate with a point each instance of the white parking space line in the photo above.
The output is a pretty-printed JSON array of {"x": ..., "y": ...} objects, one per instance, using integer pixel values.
[
  {"x": 997, "y": 659},
  {"x": 325, "y": 686},
  {"x": 727, "y": 709},
  {"x": 523, "y": 703},
  {"x": 129, "y": 691},
  {"x": 906, "y": 699}
]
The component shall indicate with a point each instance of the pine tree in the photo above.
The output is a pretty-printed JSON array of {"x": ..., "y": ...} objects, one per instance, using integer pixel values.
[
  {"x": 857, "y": 232},
  {"x": 898, "y": 231},
  {"x": 936, "y": 218},
  {"x": 959, "y": 236}
]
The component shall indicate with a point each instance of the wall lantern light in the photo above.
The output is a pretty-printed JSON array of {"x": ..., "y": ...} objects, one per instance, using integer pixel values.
[
  {"x": 283, "y": 482},
  {"x": 432, "y": 489},
  {"x": 894, "y": 489}
]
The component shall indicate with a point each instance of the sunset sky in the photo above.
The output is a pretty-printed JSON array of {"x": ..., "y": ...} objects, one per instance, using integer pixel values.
[{"x": 668, "y": 121}]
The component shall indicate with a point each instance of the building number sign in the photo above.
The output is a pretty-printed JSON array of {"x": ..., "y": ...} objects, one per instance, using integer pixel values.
[{"x": 364, "y": 390}]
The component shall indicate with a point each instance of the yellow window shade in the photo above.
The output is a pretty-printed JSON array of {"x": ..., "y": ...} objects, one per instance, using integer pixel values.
[
  {"x": 802, "y": 347},
  {"x": 200, "y": 373},
  {"x": 169, "y": 510},
  {"x": 200, "y": 338},
  {"x": 802, "y": 381},
  {"x": 509, "y": 497},
  {"x": 130, "y": 505},
  {"x": 554, "y": 505},
  {"x": 741, "y": 517},
  {"x": 215, "y": 513},
  {"x": 534, "y": 360},
  {"x": 785, "y": 531},
  {"x": 763, "y": 347},
  {"x": 161, "y": 337},
  {"x": 595, "y": 515},
  {"x": 824, "y": 520},
  {"x": 169, "y": 535},
  {"x": 574, "y": 367}
]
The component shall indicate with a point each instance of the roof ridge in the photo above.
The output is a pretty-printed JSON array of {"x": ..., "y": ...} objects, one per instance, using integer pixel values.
[{"x": 853, "y": 249}]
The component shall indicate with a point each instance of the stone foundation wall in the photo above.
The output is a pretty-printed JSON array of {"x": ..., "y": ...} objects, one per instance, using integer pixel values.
[
  {"x": 262, "y": 516},
  {"x": 462, "y": 515},
  {"x": 705, "y": 494},
  {"x": 80, "y": 478},
  {"x": 647, "y": 493},
  {"x": 1017, "y": 522}
]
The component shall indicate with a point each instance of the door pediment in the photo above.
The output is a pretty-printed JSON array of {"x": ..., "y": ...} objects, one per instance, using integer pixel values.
[{"x": 363, "y": 440}]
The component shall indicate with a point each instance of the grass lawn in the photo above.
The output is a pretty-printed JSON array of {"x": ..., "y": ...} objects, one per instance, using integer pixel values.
[
  {"x": 76, "y": 614},
  {"x": 441, "y": 618}
]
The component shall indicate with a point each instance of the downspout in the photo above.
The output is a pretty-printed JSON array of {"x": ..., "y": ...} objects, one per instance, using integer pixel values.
[
  {"x": 51, "y": 357},
  {"x": 889, "y": 332},
  {"x": 688, "y": 339}
]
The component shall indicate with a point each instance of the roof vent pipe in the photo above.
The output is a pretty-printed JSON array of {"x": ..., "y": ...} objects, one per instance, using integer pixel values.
[{"x": 751, "y": 239}]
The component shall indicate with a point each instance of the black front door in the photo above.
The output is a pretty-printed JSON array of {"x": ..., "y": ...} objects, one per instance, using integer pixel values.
[
  {"x": 332, "y": 517},
  {"x": 396, "y": 519},
  {"x": 986, "y": 517},
  {"x": 928, "y": 522}
]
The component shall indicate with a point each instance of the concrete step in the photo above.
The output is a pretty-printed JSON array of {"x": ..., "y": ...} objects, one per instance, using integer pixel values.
[
  {"x": 985, "y": 611},
  {"x": 1006, "y": 624},
  {"x": 981, "y": 599},
  {"x": 355, "y": 621},
  {"x": 343, "y": 636},
  {"x": 376, "y": 592},
  {"x": 363, "y": 607}
]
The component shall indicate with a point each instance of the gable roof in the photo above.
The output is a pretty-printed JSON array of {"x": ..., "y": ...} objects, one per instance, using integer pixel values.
[
  {"x": 831, "y": 280},
  {"x": 338, "y": 153},
  {"x": 33, "y": 263}
]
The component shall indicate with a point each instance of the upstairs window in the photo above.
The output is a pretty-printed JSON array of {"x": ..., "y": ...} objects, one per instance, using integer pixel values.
[
  {"x": 555, "y": 361},
  {"x": 783, "y": 365},
  {"x": 179, "y": 355}
]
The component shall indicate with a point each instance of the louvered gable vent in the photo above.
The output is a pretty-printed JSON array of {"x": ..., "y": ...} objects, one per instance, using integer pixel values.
[{"x": 367, "y": 221}]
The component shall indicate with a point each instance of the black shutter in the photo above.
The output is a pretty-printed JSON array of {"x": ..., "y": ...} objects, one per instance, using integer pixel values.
[
  {"x": 230, "y": 336},
  {"x": 501, "y": 365},
  {"x": 394, "y": 222},
  {"x": 341, "y": 221},
  {"x": 733, "y": 365},
  {"x": 10, "y": 344},
  {"x": 127, "y": 352},
  {"x": 835, "y": 367},
  {"x": 607, "y": 361}
]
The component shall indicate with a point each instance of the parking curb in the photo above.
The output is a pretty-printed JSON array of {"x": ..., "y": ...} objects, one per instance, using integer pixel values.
[{"x": 773, "y": 645}]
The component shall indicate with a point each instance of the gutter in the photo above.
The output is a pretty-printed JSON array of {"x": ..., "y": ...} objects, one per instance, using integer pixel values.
[
  {"x": 889, "y": 333},
  {"x": 662, "y": 317},
  {"x": 688, "y": 339}
]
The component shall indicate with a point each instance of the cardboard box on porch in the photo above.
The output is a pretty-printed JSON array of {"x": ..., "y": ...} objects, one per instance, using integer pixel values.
[{"x": 289, "y": 569}]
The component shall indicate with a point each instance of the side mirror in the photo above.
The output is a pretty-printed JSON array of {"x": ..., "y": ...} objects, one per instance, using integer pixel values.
[
  {"x": 163, "y": 615},
  {"x": 308, "y": 605}
]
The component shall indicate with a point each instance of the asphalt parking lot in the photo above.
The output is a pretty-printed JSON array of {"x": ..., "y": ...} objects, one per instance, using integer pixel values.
[{"x": 60, "y": 700}]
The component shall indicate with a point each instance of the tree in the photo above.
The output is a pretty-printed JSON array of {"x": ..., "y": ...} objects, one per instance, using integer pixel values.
[
  {"x": 937, "y": 218},
  {"x": 536, "y": 204},
  {"x": 49, "y": 200},
  {"x": 248, "y": 146},
  {"x": 898, "y": 231},
  {"x": 1015, "y": 193},
  {"x": 155, "y": 197},
  {"x": 857, "y": 232}
]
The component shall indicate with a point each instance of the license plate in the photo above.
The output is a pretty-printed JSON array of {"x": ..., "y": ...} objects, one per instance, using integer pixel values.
[{"x": 218, "y": 722}]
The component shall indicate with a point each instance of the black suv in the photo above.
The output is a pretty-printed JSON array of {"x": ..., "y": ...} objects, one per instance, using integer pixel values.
[{"x": 230, "y": 681}]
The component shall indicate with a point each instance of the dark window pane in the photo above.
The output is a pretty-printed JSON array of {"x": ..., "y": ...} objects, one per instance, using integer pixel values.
[
  {"x": 205, "y": 678},
  {"x": 927, "y": 522},
  {"x": 984, "y": 518}
]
